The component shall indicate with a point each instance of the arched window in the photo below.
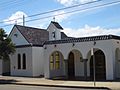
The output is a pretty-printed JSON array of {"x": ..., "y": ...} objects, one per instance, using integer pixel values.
[
  {"x": 55, "y": 61},
  {"x": 24, "y": 61},
  {"x": 19, "y": 61}
]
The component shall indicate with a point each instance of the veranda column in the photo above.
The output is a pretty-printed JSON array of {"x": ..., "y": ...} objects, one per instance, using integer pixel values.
[
  {"x": 85, "y": 68},
  {"x": 66, "y": 67}
]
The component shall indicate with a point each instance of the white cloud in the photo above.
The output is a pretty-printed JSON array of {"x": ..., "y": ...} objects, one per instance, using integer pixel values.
[
  {"x": 43, "y": 23},
  {"x": 15, "y": 18},
  {"x": 71, "y": 2},
  {"x": 85, "y": 1},
  {"x": 90, "y": 31},
  {"x": 60, "y": 16}
]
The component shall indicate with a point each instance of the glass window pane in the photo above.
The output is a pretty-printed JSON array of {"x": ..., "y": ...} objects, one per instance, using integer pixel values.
[
  {"x": 24, "y": 61},
  {"x": 51, "y": 66},
  {"x": 51, "y": 62},
  {"x": 57, "y": 60},
  {"x": 19, "y": 61}
]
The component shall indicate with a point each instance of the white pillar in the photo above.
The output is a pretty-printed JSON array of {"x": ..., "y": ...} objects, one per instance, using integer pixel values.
[
  {"x": 109, "y": 65},
  {"x": 46, "y": 65}
]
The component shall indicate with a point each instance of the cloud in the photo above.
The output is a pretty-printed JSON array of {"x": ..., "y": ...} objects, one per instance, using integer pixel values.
[
  {"x": 43, "y": 23},
  {"x": 71, "y": 2},
  {"x": 90, "y": 31},
  {"x": 17, "y": 17},
  {"x": 60, "y": 16}
]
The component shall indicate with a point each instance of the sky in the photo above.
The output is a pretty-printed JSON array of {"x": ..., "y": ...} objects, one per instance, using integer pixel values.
[{"x": 90, "y": 18}]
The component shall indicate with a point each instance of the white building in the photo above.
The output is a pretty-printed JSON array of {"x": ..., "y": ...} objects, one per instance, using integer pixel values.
[{"x": 50, "y": 53}]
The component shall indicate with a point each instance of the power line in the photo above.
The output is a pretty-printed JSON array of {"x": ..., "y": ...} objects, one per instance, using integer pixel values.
[
  {"x": 73, "y": 11},
  {"x": 6, "y": 5},
  {"x": 53, "y": 10},
  {"x": 4, "y": 2},
  {"x": 63, "y": 8}
]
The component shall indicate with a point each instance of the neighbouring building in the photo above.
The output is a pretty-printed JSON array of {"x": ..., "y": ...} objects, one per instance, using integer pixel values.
[{"x": 51, "y": 53}]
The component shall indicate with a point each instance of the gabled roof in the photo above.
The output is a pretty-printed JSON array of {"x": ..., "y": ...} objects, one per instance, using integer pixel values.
[
  {"x": 34, "y": 36},
  {"x": 57, "y": 25}
]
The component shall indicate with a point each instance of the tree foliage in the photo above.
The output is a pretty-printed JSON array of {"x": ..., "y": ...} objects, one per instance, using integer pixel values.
[{"x": 6, "y": 46}]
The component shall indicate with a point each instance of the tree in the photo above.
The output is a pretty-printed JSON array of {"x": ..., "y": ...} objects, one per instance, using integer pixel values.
[{"x": 6, "y": 46}]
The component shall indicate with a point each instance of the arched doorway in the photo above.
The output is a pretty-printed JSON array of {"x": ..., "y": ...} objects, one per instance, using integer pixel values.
[
  {"x": 71, "y": 66},
  {"x": 100, "y": 66}
]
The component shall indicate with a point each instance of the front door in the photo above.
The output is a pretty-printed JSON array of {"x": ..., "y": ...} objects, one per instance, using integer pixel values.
[{"x": 71, "y": 69}]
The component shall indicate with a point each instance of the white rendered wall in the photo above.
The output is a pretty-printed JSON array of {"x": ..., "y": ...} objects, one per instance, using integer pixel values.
[
  {"x": 14, "y": 64},
  {"x": 84, "y": 47},
  {"x": 38, "y": 58},
  {"x": 117, "y": 58},
  {"x": 52, "y": 29},
  {"x": 79, "y": 66}
]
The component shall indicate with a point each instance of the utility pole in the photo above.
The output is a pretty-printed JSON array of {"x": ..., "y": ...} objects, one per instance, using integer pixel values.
[
  {"x": 92, "y": 53},
  {"x": 23, "y": 20}
]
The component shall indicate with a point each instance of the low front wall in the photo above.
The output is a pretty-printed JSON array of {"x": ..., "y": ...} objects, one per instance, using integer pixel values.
[{"x": 1, "y": 67}]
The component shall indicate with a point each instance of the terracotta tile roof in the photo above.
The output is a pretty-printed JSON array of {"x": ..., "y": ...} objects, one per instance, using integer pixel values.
[
  {"x": 84, "y": 39},
  {"x": 36, "y": 36},
  {"x": 64, "y": 36}
]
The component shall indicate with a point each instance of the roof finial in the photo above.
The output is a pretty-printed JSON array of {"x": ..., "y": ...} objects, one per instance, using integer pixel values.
[
  {"x": 54, "y": 18},
  {"x": 15, "y": 22}
]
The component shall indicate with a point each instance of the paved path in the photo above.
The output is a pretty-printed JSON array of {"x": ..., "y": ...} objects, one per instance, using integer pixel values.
[
  {"x": 24, "y": 87},
  {"x": 58, "y": 83}
]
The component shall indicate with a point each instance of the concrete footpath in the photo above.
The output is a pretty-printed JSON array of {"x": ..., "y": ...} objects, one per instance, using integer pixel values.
[{"x": 114, "y": 85}]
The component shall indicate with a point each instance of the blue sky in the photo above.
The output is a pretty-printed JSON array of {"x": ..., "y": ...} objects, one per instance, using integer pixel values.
[{"x": 86, "y": 22}]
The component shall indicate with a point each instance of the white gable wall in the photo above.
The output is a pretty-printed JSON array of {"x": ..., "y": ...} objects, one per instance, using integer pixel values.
[{"x": 19, "y": 39}]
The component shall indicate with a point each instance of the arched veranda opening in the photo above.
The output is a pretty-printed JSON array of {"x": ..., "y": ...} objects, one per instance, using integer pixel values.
[
  {"x": 75, "y": 65},
  {"x": 100, "y": 65}
]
